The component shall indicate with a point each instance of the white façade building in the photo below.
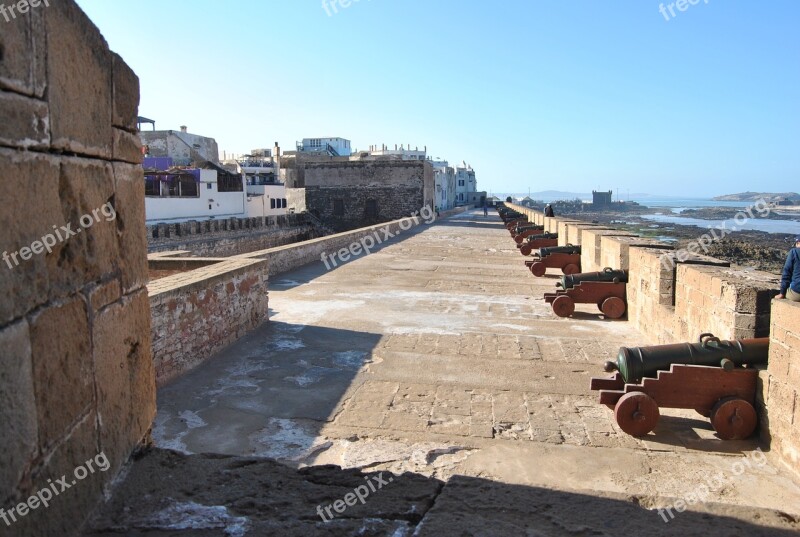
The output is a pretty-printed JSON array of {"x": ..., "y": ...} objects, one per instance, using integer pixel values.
[
  {"x": 444, "y": 185},
  {"x": 399, "y": 152},
  {"x": 466, "y": 183},
  {"x": 179, "y": 193},
  {"x": 335, "y": 147}
]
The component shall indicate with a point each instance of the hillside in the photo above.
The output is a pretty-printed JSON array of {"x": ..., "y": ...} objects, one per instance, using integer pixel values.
[{"x": 755, "y": 196}]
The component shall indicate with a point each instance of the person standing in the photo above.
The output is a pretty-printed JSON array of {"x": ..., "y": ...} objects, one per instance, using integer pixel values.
[
  {"x": 548, "y": 211},
  {"x": 790, "y": 282},
  {"x": 485, "y": 208}
]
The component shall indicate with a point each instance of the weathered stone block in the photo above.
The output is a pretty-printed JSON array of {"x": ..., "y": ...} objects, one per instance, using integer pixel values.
[
  {"x": 127, "y": 147},
  {"x": 129, "y": 203},
  {"x": 126, "y": 95},
  {"x": 126, "y": 399},
  {"x": 780, "y": 402},
  {"x": 17, "y": 407},
  {"x": 69, "y": 510},
  {"x": 25, "y": 122},
  {"x": 62, "y": 368},
  {"x": 786, "y": 315},
  {"x": 22, "y": 46},
  {"x": 92, "y": 252},
  {"x": 32, "y": 207},
  {"x": 79, "y": 67}
]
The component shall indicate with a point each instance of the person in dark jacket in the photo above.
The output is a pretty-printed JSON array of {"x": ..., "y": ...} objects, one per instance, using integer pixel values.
[
  {"x": 790, "y": 282},
  {"x": 548, "y": 210}
]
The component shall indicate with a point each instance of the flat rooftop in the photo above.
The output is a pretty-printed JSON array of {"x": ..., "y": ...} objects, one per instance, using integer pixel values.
[{"x": 435, "y": 361}]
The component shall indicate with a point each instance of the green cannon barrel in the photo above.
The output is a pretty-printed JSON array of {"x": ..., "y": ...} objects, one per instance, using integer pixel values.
[
  {"x": 635, "y": 363},
  {"x": 569, "y": 249},
  {"x": 546, "y": 236},
  {"x": 607, "y": 275},
  {"x": 527, "y": 227}
]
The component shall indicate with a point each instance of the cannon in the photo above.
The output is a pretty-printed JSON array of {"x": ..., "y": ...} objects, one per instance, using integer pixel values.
[
  {"x": 715, "y": 378},
  {"x": 606, "y": 289},
  {"x": 528, "y": 231},
  {"x": 525, "y": 226},
  {"x": 567, "y": 258},
  {"x": 606, "y": 275},
  {"x": 508, "y": 214},
  {"x": 536, "y": 242},
  {"x": 514, "y": 222},
  {"x": 635, "y": 363}
]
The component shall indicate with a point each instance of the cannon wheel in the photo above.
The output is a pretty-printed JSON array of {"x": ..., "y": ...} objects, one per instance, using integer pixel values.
[
  {"x": 572, "y": 268},
  {"x": 525, "y": 249},
  {"x": 734, "y": 418},
  {"x": 613, "y": 307},
  {"x": 538, "y": 269},
  {"x": 636, "y": 413},
  {"x": 563, "y": 306}
]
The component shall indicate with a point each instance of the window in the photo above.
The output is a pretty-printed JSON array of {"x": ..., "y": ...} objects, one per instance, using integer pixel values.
[
  {"x": 188, "y": 187},
  {"x": 272, "y": 203},
  {"x": 171, "y": 185},
  {"x": 152, "y": 186},
  {"x": 371, "y": 209},
  {"x": 229, "y": 183},
  {"x": 460, "y": 182},
  {"x": 283, "y": 205},
  {"x": 209, "y": 186},
  {"x": 338, "y": 207}
]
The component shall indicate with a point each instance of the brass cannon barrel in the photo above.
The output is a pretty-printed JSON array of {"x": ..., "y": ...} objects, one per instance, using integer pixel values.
[
  {"x": 607, "y": 275},
  {"x": 635, "y": 363},
  {"x": 569, "y": 249}
]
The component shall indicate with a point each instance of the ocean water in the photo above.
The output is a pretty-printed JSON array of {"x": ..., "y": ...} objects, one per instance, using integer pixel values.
[{"x": 753, "y": 224}]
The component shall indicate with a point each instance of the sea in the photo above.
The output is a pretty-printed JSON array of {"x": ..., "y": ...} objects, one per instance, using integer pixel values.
[{"x": 674, "y": 206}]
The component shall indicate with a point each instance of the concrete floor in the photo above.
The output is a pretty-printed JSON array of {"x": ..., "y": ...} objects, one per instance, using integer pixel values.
[{"x": 437, "y": 355}]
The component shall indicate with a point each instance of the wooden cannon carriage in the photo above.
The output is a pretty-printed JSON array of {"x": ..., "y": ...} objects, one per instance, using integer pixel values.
[
  {"x": 713, "y": 383},
  {"x": 606, "y": 289}
]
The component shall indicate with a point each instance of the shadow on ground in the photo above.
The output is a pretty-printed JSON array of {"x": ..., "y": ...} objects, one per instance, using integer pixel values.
[{"x": 204, "y": 495}]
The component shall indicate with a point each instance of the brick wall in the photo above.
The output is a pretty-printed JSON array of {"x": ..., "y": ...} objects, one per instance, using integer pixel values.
[
  {"x": 195, "y": 314},
  {"x": 77, "y": 376}
]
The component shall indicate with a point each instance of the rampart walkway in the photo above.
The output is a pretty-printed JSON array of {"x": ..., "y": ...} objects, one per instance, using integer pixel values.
[{"x": 437, "y": 356}]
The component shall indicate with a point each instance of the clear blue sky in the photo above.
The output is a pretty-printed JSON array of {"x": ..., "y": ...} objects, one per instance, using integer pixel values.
[{"x": 568, "y": 95}]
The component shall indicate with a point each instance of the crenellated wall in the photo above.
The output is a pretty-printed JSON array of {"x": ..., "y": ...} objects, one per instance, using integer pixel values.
[
  {"x": 674, "y": 296},
  {"x": 780, "y": 397}
]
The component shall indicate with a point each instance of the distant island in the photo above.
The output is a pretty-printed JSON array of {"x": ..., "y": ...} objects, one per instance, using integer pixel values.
[{"x": 755, "y": 196}]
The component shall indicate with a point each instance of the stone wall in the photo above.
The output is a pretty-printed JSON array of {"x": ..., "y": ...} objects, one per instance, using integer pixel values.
[
  {"x": 396, "y": 188},
  {"x": 780, "y": 401},
  {"x": 285, "y": 258},
  {"x": 675, "y": 296},
  {"x": 233, "y": 236},
  {"x": 77, "y": 378},
  {"x": 197, "y": 313}
]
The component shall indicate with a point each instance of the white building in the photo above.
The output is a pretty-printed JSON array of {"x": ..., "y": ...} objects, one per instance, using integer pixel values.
[
  {"x": 176, "y": 194},
  {"x": 399, "y": 152},
  {"x": 444, "y": 185},
  {"x": 335, "y": 147},
  {"x": 465, "y": 183}
]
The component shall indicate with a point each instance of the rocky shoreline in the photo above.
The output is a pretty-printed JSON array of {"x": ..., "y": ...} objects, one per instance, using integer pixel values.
[{"x": 746, "y": 248}]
